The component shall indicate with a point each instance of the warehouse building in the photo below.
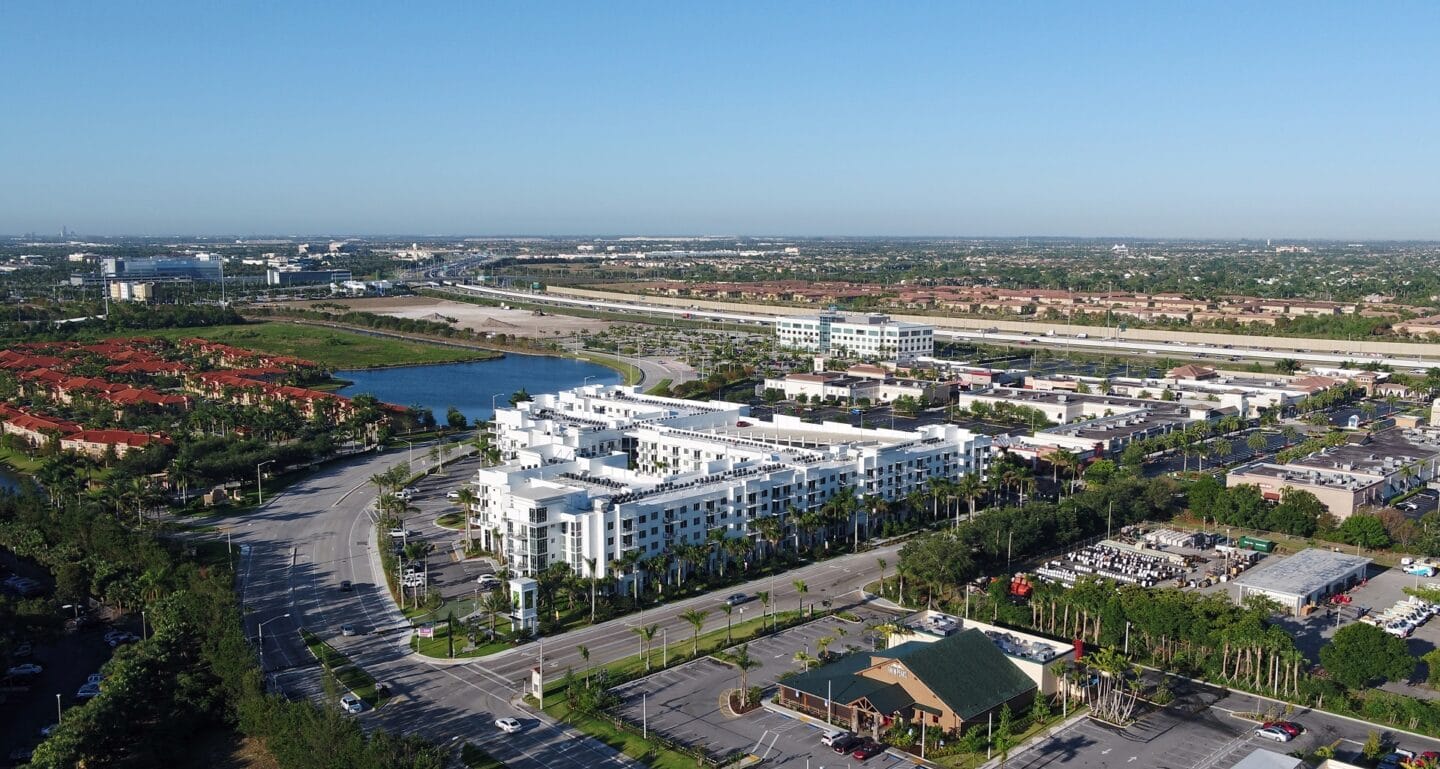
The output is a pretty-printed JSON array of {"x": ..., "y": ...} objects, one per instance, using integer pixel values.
[{"x": 1304, "y": 579}]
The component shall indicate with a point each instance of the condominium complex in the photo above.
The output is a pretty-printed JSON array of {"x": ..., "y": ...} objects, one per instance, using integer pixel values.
[
  {"x": 597, "y": 473},
  {"x": 872, "y": 336}
]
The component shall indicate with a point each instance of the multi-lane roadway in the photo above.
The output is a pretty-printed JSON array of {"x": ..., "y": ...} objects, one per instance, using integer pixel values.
[
  {"x": 299, "y": 547},
  {"x": 1082, "y": 338}
]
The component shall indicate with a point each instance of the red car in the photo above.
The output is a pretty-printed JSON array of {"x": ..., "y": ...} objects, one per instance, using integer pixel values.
[
  {"x": 1289, "y": 727},
  {"x": 867, "y": 749}
]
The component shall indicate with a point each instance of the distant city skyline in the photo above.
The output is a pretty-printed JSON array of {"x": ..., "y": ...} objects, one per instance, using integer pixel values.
[{"x": 1116, "y": 120}]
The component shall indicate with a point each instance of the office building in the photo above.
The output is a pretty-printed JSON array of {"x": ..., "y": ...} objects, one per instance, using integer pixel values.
[
  {"x": 279, "y": 277},
  {"x": 198, "y": 267},
  {"x": 872, "y": 336}
]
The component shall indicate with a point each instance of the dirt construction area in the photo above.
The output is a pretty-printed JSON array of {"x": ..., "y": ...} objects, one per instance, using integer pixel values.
[{"x": 470, "y": 316}]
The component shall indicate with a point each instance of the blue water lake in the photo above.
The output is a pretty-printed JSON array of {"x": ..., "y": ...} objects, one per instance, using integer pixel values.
[{"x": 469, "y": 386}]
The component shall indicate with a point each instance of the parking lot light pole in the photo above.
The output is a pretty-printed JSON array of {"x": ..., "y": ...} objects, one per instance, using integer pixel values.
[
  {"x": 410, "y": 455},
  {"x": 57, "y": 708}
]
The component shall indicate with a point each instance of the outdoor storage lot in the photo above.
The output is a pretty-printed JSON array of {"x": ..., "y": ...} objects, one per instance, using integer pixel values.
[{"x": 684, "y": 703}]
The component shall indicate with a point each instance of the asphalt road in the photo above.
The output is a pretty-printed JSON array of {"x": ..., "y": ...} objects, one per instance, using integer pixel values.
[{"x": 299, "y": 547}]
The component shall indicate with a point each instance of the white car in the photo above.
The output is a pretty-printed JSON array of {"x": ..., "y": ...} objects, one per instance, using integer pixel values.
[
  {"x": 348, "y": 630},
  {"x": 453, "y": 496},
  {"x": 833, "y": 736},
  {"x": 87, "y": 691},
  {"x": 1273, "y": 733},
  {"x": 28, "y": 669},
  {"x": 351, "y": 703},
  {"x": 507, "y": 725},
  {"x": 487, "y": 581}
]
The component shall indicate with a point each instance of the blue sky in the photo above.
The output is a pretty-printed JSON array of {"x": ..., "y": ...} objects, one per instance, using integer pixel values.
[{"x": 1245, "y": 119}]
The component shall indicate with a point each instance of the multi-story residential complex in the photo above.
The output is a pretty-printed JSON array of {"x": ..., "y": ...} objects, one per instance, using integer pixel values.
[
  {"x": 871, "y": 336},
  {"x": 1347, "y": 477},
  {"x": 605, "y": 475}
]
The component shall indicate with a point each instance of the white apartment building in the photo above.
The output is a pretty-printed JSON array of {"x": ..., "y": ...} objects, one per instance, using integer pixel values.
[
  {"x": 872, "y": 336},
  {"x": 650, "y": 473}
]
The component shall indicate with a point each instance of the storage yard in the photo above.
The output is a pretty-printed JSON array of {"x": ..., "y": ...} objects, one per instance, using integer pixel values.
[{"x": 1157, "y": 558}]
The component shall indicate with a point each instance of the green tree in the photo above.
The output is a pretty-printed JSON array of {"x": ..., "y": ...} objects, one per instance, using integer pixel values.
[
  {"x": 1367, "y": 531},
  {"x": 696, "y": 618},
  {"x": 1361, "y": 654}
]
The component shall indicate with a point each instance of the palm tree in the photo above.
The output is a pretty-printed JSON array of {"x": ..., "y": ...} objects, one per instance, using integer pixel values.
[
  {"x": 646, "y": 634},
  {"x": 590, "y": 572},
  {"x": 886, "y": 629},
  {"x": 1257, "y": 442},
  {"x": 696, "y": 618},
  {"x": 803, "y": 658},
  {"x": 494, "y": 603},
  {"x": 467, "y": 504},
  {"x": 969, "y": 487},
  {"x": 764, "y": 596},
  {"x": 742, "y": 660},
  {"x": 882, "y": 563},
  {"x": 728, "y": 610},
  {"x": 585, "y": 655},
  {"x": 801, "y": 589}
]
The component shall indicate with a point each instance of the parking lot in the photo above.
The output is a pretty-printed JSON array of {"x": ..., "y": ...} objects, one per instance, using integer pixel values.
[
  {"x": 684, "y": 702},
  {"x": 1200, "y": 730},
  {"x": 447, "y": 572}
]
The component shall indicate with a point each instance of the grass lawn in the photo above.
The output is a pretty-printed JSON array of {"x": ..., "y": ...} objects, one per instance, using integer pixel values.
[
  {"x": 439, "y": 646},
  {"x": 630, "y": 373},
  {"x": 451, "y": 521},
  {"x": 349, "y": 675},
  {"x": 631, "y": 745},
  {"x": 328, "y": 347},
  {"x": 19, "y": 462},
  {"x": 661, "y": 388}
]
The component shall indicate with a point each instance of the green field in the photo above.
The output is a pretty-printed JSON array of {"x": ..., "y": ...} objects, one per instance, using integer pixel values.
[{"x": 328, "y": 347}]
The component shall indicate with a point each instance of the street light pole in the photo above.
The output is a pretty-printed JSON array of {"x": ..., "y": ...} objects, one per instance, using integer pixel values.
[
  {"x": 261, "y": 629},
  {"x": 410, "y": 455},
  {"x": 58, "y": 714},
  {"x": 259, "y": 490}
]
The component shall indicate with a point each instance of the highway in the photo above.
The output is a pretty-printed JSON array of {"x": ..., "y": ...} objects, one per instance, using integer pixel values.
[
  {"x": 297, "y": 549},
  {"x": 1102, "y": 341}
]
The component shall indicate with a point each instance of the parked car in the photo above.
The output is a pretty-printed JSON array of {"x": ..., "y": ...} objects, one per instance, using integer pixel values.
[
  {"x": 830, "y": 737},
  {"x": 95, "y": 678},
  {"x": 87, "y": 691},
  {"x": 846, "y": 744},
  {"x": 1273, "y": 733},
  {"x": 24, "y": 649},
  {"x": 867, "y": 749},
  {"x": 1395, "y": 759},
  {"x": 27, "y": 669},
  {"x": 736, "y": 599},
  {"x": 507, "y": 725},
  {"x": 488, "y": 581},
  {"x": 347, "y": 629},
  {"x": 351, "y": 703},
  {"x": 453, "y": 495},
  {"x": 1290, "y": 727}
]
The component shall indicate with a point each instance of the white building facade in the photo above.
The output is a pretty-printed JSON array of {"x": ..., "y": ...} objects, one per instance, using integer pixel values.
[
  {"x": 635, "y": 488},
  {"x": 872, "y": 336}
]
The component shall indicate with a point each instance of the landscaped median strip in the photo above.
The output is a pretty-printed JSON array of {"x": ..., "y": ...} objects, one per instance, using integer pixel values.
[{"x": 344, "y": 670}]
